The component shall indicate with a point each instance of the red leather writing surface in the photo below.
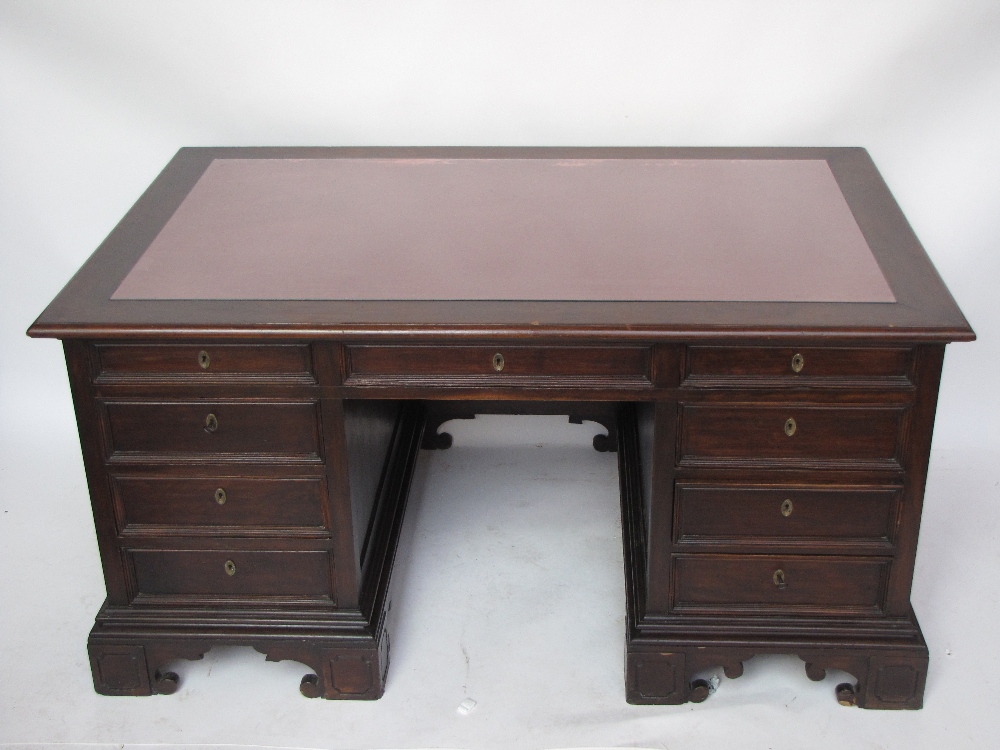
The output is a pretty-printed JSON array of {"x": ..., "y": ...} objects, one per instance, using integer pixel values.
[{"x": 512, "y": 229}]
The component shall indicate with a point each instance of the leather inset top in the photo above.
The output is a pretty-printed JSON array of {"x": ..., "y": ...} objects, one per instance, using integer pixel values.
[{"x": 761, "y": 230}]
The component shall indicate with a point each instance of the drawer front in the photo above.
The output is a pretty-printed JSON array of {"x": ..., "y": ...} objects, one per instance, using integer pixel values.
[
  {"x": 733, "y": 514},
  {"x": 232, "y": 573},
  {"x": 789, "y": 365},
  {"x": 189, "y": 362},
  {"x": 213, "y": 504},
  {"x": 793, "y": 433},
  {"x": 779, "y": 583},
  {"x": 471, "y": 364},
  {"x": 210, "y": 428}
]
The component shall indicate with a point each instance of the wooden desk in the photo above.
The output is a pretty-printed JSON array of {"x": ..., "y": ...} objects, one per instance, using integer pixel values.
[{"x": 259, "y": 349}]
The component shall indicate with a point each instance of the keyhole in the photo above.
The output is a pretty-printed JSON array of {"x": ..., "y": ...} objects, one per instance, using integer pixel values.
[
  {"x": 203, "y": 359},
  {"x": 211, "y": 423},
  {"x": 779, "y": 579},
  {"x": 498, "y": 362}
]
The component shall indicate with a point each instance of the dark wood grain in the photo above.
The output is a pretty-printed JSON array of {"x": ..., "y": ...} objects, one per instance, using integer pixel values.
[
  {"x": 733, "y": 515},
  {"x": 257, "y": 573},
  {"x": 221, "y": 505},
  {"x": 757, "y": 365},
  {"x": 821, "y": 434},
  {"x": 456, "y": 364},
  {"x": 369, "y": 427},
  {"x": 320, "y": 408},
  {"x": 202, "y": 364},
  {"x": 930, "y": 360},
  {"x": 93, "y": 442},
  {"x": 746, "y": 582},
  {"x": 184, "y": 427}
]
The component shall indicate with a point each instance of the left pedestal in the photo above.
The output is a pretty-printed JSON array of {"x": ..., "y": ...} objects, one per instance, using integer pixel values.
[{"x": 237, "y": 503}]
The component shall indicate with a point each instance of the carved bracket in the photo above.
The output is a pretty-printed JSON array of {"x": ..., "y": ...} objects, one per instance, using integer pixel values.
[
  {"x": 885, "y": 680},
  {"x": 439, "y": 412},
  {"x": 337, "y": 673},
  {"x": 139, "y": 669}
]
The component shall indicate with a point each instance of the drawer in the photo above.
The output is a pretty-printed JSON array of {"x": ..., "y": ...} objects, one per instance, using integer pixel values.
[
  {"x": 768, "y": 583},
  {"x": 475, "y": 364},
  {"x": 798, "y": 365},
  {"x": 232, "y": 573},
  {"x": 213, "y": 429},
  {"x": 728, "y": 514},
  {"x": 215, "y": 505},
  {"x": 792, "y": 434},
  {"x": 203, "y": 363}
]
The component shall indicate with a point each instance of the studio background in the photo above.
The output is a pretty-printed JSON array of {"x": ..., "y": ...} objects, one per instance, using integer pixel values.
[{"x": 95, "y": 98}]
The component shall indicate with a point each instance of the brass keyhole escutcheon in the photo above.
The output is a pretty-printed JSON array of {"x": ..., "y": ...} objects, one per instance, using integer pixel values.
[
  {"x": 798, "y": 362},
  {"x": 220, "y": 496},
  {"x": 786, "y": 508},
  {"x": 211, "y": 423},
  {"x": 498, "y": 362},
  {"x": 230, "y": 568},
  {"x": 790, "y": 427},
  {"x": 779, "y": 579},
  {"x": 204, "y": 360}
]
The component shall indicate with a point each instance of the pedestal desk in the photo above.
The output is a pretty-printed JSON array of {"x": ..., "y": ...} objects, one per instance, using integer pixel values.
[{"x": 263, "y": 345}]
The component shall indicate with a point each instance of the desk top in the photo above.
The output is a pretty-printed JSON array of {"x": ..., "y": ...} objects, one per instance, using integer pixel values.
[{"x": 607, "y": 242}]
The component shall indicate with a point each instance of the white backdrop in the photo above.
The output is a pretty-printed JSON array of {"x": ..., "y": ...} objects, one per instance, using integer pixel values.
[{"x": 96, "y": 97}]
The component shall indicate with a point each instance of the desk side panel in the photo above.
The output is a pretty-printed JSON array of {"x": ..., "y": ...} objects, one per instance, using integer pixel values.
[
  {"x": 916, "y": 457},
  {"x": 79, "y": 364},
  {"x": 369, "y": 427},
  {"x": 381, "y": 443}
]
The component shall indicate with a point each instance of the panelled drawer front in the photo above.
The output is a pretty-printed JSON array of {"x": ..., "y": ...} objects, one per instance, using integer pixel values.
[
  {"x": 210, "y": 504},
  {"x": 748, "y": 582},
  {"x": 818, "y": 434},
  {"x": 287, "y": 429},
  {"x": 804, "y": 366},
  {"x": 194, "y": 363},
  {"x": 207, "y": 572},
  {"x": 717, "y": 514},
  {"x": 462, "y": 363}
]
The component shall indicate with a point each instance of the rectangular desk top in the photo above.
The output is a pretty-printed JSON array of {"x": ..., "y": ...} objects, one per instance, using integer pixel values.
[{"x": 516, "y": 242}]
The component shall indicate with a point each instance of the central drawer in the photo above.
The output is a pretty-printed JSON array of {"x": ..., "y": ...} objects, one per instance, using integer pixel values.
[
  {"x": 213, "y": 428},
  {"x": 789, "y": 434},
  {"x": 463, "y": 365}
]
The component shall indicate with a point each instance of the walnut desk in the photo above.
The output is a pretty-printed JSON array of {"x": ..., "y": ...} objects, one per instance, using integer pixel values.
[{"x": 260, "y": 348}]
